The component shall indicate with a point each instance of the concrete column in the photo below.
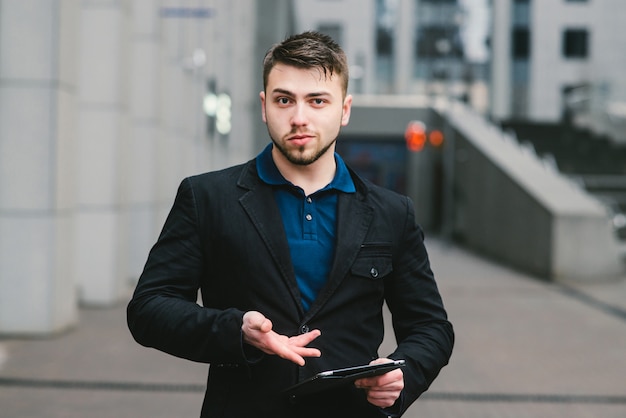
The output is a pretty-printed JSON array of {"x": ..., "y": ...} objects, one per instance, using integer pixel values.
[
  {"x": 171, "y": 146},
  {"x": 501, "y": 85},
  {"x": 139, "y": 187},
  {"x": 37, "y": 98},
  {"x": 183, "y": 147},
  {"x": 102, "y": 128},
  {"x": 404, "y": 50}
]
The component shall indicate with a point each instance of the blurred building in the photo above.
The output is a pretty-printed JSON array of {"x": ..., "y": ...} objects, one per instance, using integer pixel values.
[
  {"x": 560, "y": 60},
  {"x": 403, "y": 53},
  {"x": 407, "y": 47},
  {"x": 104, "y": 108},
  {"x": 408, "y": 54}
]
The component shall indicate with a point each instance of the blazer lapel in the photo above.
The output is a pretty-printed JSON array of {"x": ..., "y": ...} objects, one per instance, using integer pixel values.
[
  {"x": 261, "y": 207},
  {"x": 354, "y": 218}
]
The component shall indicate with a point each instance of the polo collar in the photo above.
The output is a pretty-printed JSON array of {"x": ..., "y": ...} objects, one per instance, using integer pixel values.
[{"x": 268, "y": 172}]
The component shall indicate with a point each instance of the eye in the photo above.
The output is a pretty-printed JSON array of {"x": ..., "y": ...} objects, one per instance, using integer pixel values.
[
  {"x": 318, "y": 102},
  {"x": 282, "y": 100}
]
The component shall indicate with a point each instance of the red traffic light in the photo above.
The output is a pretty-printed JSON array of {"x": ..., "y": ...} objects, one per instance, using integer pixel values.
[
  {"x": 435, "y": 138},
  {"x": 415, "y": 135}
]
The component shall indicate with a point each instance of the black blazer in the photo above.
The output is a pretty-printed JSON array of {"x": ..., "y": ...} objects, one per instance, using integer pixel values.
[{"x": 224, "y": 236}]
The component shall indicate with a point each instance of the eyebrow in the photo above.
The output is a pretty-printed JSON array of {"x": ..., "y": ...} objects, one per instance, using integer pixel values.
[{"x": 310, "y": 95}]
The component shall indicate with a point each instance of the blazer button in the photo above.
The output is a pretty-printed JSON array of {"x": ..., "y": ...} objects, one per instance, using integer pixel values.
[
  {"x": 304, "y": 329},
  {"x": 374, "y": 272}
]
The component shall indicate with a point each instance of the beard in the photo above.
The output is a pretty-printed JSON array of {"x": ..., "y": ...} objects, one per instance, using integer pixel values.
[{"x": 299, "y": 156}]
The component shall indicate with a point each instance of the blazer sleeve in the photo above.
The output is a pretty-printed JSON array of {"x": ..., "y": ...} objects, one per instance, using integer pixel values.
[
  {"x": 424, "y": 335},
  {"x": 163, "y": 312}
]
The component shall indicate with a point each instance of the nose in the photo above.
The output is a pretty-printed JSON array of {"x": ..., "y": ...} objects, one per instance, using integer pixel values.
[{"x": 299, "y": 118}]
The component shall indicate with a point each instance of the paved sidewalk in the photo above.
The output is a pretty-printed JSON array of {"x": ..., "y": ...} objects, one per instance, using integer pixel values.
[{"x": 524, "y": 348}]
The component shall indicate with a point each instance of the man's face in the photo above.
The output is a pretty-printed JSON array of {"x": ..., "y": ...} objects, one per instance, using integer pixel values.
[{"x": 304, "y": 110}]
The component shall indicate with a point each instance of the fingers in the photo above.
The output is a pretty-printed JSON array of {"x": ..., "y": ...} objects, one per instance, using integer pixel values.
[
  {"x": 295, "y": 348},
  {"x": 288, "y": 353},
  {"x": 382, "y": 399},
  {"x": 387, "y": 379},
  {"x": 257, "y": 331},
  {"x": 383, "y": 390},
  {"x": 299, "y": 344},
  {"x": 306, "y": 351},
  {"x": 383, "y": 395},
  {"x": 304, "y": 339},
  {"x": 381, "y": 360}
]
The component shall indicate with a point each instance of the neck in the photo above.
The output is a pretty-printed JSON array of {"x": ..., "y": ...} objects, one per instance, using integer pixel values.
[{"x": 311, "y": 177}]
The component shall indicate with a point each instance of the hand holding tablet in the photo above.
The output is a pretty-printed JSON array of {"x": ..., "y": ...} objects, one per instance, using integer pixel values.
[{"x": 332, "y": 378}]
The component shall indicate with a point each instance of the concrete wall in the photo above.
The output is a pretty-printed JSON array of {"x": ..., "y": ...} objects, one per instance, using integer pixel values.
[
  {"x": 499, "y": 199},
  {"x": 514, "y": 208}
]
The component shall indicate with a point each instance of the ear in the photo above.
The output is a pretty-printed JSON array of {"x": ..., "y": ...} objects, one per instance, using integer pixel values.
[
  {"x": 262, "y": 96},
  {"x": 347, "y": 108}
]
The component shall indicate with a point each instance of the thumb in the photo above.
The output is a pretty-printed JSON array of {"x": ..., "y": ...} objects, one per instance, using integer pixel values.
[
  {"x": 259, "y": 321},
  {"x": 265, "y": 325}
]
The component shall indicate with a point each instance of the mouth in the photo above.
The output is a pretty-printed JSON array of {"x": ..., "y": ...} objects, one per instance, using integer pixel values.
[{"x": 299, "y": 139}]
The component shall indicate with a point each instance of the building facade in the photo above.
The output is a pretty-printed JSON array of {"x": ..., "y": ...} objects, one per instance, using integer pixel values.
[
  {"x": 560, "y": 60},
  {"x": 104, "y": 108},
  {"x": 406, "y": 47}
]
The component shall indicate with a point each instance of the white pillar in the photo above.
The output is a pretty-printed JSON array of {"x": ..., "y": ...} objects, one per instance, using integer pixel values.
[
  {"x": 404, "y": 50},
  {"x": 244, "y": 71},
  {"x": 171, "y": 145},
  {"x": 102, "y": 119},
  {"x": 181, "y": 87},
  {"x": 139, "y": 187},
  {"x": 501, "y": 85},
  {"x": 37, "y": 87}
]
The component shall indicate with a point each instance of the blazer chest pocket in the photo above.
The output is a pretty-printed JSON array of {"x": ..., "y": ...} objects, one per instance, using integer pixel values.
[{"x": 373, "y": 262}]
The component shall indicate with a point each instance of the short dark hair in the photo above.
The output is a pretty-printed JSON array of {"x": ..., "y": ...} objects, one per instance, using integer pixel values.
[{"x": 309, "y": 50}]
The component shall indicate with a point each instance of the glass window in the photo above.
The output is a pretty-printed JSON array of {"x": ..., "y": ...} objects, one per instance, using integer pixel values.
[
  {"x": 575, "y": 43},
  {"x": 384, "y": 42},
  {"x": 439, "y": 42},
  {"x": 521, "y": 43}
]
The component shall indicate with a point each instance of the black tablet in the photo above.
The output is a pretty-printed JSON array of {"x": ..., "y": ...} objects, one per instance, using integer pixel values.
[{"x": 333, "y": 378}]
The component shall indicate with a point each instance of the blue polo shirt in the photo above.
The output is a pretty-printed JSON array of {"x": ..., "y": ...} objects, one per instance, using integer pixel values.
[{"x": 310, "y": 222}]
